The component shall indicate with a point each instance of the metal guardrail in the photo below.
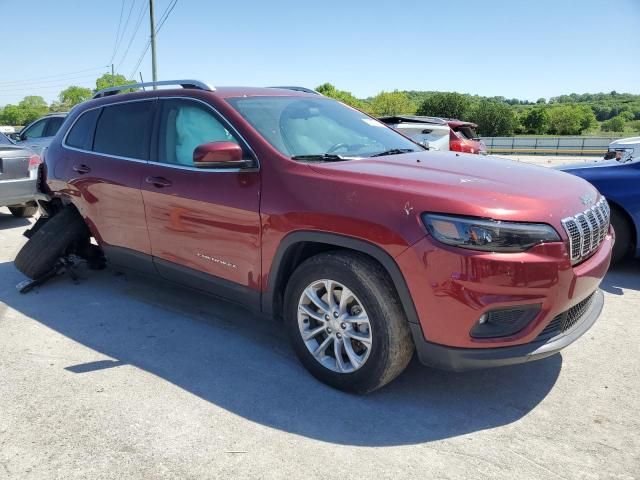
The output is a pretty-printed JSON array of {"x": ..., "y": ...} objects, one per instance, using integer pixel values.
[{"x": 595, "y": 146}]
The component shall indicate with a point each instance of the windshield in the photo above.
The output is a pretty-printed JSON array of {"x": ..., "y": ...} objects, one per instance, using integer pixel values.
[
  {"x": 319, "y": 128},
  {"x": 4, "y": 140}
]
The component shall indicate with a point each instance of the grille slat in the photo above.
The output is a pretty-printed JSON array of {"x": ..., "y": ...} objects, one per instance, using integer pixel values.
[{"x": 587, "y": 230}]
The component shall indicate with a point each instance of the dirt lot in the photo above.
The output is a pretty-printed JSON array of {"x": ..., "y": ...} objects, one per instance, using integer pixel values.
[{"x": 125, "y": 377}]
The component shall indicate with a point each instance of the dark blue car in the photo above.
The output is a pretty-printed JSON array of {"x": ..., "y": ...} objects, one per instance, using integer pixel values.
[{"x": 619, "y": 182}]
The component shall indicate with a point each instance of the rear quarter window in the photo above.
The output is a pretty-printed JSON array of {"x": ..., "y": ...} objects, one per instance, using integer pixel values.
[
  {"x": 81, "y": 133},
  {"x": 124, "y": 130}
]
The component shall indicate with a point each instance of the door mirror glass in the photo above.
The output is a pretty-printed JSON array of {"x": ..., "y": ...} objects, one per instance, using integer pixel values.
[{"x": 218, "y": 154}]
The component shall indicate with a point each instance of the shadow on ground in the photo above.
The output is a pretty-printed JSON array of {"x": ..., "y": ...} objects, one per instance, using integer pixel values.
[
  {"x": 242, "y": 363},
  {"x": 623, "y": 276},
  {"x": 8, "y": 221}
]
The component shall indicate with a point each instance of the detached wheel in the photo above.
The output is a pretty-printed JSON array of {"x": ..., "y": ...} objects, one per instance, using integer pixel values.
[
  {"x": 24, "y": 211},
  {"x": 623, "y": 246},
  {"x": 59, "y": 236},
  {"x": 346, "y": 323}
]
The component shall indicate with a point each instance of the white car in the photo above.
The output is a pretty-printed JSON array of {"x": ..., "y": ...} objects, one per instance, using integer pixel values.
[
  {"x": 38, "y": 134},
  {"x": 430, "y": 132},
  {"x": 18, "y": 178},
  {"x": 628, "y": 147}
]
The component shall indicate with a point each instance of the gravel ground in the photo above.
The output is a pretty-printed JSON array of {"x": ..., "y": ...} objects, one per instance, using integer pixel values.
[{"x": 120, "y": 376}]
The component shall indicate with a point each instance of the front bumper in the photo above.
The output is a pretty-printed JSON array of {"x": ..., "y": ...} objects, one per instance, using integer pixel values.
[{"x": 462, "y": 359}]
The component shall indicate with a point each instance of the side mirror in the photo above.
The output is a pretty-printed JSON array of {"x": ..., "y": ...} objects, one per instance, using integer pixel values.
[
  {"x": 16, "y": 137},
  {"x": 219, "y": 155}
]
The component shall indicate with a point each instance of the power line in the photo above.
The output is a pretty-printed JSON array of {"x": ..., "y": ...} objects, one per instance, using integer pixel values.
[
  {"x": 143, "y": 10},
  {"x": 37, "y": 88},
  {"x": 24, "y": 80},
  {"x": 38, "y": 83},
  {"x": 124, "y": 30},
  {"x": 163, "y": 19},
  {"x": 115, "y": 44}
]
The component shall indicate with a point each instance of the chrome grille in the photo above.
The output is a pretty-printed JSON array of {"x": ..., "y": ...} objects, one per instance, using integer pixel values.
[{"x": 587, "y": 230}]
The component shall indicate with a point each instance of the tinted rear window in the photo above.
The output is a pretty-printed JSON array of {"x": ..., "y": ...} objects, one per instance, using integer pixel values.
[
  {"x": 81, "y": 134},
  {"x": 53, "y": 125},
  {"x": 124, "y": 130}
]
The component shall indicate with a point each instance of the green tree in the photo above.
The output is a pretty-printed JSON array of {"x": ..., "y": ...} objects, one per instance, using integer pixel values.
[
  {"x": 343, "y": 96},
  {"x": 494, "y": 119},
  {"x": 570, "y": 119},
  {"x": 391, "y": 103},
  {"x": 107, "y": 80},
  {"x": 615, "y": 124},
  {"x": 12, "y": 115},
  {"x": 32, "y": 107},
  {"x": 73, "y": 95},
  {"x": 535, "y": 121},
  {"x": 445, "y": 104}
]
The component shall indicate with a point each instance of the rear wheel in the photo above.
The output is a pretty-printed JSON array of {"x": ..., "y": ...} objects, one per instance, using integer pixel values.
[
  {"x": 624, "y": 239},
  {"x": 346, "y": 323},
  {"x": 59, "y": 236},
  {"x": 23, "y": 211}
]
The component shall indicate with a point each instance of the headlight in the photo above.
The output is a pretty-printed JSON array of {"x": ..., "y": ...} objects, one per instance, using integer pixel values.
[{"x": 488, "y": 235}]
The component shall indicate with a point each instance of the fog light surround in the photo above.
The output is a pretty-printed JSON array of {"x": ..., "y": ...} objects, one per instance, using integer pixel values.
[{"x": 504, "y": 322}]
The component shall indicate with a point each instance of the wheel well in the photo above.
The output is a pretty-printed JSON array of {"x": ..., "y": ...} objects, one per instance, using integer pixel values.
[
  {"x": 295, "y": 255},
  {"x": 627, "y": 217}
]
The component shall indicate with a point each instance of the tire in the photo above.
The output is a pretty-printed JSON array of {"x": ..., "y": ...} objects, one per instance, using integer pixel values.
[
  {"x": 624, "y": 238},
  {"x": 54, "y": 239},
  {"x": 371, "y": 296},
  {"x": 24, "y": 211}
]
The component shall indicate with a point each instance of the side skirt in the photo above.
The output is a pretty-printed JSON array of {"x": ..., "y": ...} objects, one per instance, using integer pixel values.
[{"x": 187, "y": 277}]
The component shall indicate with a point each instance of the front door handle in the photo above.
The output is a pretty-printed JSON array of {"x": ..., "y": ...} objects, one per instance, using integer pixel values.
[
  {"x": 81, "y": 169},
  {"x": 159, "y": 182}
]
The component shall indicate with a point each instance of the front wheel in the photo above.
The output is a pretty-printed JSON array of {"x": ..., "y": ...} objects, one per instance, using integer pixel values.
[
  {"x": 623, "y": 246},
  {"x": 346, "y": 323}
]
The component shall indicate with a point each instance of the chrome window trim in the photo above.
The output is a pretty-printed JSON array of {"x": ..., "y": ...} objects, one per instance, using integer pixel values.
[
  {"x": 226, "y": 123},
  {"x": 179, "y": 167},
  {"x": 109, "y": 155}
]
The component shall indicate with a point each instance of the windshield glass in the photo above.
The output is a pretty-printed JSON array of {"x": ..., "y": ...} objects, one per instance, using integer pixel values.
[
  {"x": 4, "y": 140},
  {"x": 317, "y": 127}
]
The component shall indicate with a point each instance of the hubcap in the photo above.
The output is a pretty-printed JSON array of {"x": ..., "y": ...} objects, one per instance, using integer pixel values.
[{"x": 334, "y": 326}]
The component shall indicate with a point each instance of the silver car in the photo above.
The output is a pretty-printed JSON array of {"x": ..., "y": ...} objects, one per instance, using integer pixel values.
[
  {"x": 38, "y": 134},
  {"x": 18, "y": 178}
]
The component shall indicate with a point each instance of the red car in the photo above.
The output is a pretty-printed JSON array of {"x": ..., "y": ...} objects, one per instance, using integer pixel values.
[
  {"x": 366, "y": 246},
  {"x": 463, "y": 138}
]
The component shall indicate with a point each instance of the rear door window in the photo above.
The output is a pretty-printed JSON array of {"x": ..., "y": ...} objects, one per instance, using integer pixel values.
[
  {"x": 124, "y": 130},
  {"x": 53, "y": 125},
  {"x": 81, "y": 134}
]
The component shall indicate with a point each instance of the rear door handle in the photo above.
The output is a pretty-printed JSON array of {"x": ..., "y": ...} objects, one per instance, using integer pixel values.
[
  {"x": 81, "y": 169},
  {"x": 159, "y": 182}
]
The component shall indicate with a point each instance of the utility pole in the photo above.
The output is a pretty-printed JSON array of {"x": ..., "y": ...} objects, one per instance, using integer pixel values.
[
  {"x": 113, "y": 78},
  {"x": 154, "y": 73}
]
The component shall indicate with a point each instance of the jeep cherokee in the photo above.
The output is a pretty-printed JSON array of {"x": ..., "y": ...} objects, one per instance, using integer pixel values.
[{"x": 363, "y": 243}]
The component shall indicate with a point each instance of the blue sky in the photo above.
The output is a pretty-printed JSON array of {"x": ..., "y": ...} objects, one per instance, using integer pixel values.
[{"x": 523, "y": 49}]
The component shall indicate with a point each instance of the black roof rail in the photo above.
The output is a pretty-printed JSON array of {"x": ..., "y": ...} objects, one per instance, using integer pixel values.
[
  {"x": 298, "y": 89},
  {"x": 183, "y": 83}
]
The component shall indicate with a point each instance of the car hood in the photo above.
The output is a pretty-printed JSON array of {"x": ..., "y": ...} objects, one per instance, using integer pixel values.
[{"x": 464, "y": 184}]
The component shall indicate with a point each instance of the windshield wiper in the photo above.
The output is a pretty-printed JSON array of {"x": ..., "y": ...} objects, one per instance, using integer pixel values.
[
  {"x": 393, "y": 151},
  {"x": 324, "y": 157}
]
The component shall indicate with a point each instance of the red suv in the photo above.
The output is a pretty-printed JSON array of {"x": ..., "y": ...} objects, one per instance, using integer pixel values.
[
  {"x": 463, "y": 138},
  {"x": 365, "y": 245}
]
